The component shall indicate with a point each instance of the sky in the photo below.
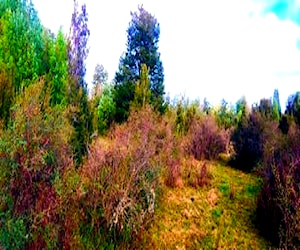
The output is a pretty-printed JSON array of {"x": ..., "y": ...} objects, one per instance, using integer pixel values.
[{"x": 209, "y": 48}]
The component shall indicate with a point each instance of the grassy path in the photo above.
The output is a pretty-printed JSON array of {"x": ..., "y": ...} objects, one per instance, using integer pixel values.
[{"x": 216, "y": 216}]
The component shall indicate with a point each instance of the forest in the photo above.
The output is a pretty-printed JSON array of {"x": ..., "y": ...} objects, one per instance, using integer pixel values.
[{"x": 118, "y": 165}]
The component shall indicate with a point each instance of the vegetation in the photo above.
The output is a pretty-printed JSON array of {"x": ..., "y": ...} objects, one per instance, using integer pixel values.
[
  {"x": 142, "y": 48},
  {"x": 217, "y": 216},
  {"x": 123, "y": 168}
]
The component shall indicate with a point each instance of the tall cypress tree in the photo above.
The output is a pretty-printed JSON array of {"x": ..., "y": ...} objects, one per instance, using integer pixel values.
[
  {"x": 142, "y": 48},
  {"x": 276, "y": 106}
]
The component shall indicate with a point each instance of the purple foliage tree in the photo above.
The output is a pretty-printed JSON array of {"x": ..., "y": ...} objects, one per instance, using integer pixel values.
[
  {"x": 77, "y": 47},
  {"x": 77, "y": 54}
]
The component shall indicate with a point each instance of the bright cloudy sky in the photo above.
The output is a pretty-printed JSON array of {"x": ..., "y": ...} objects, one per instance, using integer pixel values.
[{"x": 209, "y": 48}]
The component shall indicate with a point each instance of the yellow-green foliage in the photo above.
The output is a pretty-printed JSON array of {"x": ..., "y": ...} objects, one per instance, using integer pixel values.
[
  {"x": 216, "y": 216},
  {"x": 186, "y": 112},
  {"x": 142, "y": 92}
]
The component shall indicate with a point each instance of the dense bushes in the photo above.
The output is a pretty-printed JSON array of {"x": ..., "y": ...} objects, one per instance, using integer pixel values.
[
  {"x": 248, "y": 141},
  {"x": 115, "y": 191},
  {"x": 275, "y": 147},
  {"x": 34, "y": 150},
  {"x": 278, "y": 210},
  {"x": 109, "y": 200},
  {"x": 207, "y": 140}
]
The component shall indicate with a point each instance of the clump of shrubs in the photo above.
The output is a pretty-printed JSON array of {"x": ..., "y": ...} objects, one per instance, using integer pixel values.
[
  {"x": 248, "y": 140},
  {"x": 206, "y": 139},
  {"x": 34, "y": 150},
  {"x": 278, "y": 207},
  {"x": 197, "y": 175},
  {"x": 115, "y": 196}
]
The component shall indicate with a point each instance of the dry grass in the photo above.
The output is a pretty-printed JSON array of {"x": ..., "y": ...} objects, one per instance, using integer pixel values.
[{"x": 216, "y": 216}]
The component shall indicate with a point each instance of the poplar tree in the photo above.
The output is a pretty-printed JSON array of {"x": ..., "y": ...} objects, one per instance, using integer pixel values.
[{"x": 77, "y": 89}]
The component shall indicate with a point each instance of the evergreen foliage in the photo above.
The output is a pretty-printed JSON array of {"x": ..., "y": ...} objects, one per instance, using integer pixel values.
[
  {"x": 276, "y": 106},
  {"x": 142, "y": 48},
  {"x": 106, "y": 110},
  {"x": 21, "y": 50},
  {"x": 293, "y": 107}
]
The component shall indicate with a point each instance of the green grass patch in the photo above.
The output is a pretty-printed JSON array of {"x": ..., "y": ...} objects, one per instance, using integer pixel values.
[{"x": 217, "y": 216}]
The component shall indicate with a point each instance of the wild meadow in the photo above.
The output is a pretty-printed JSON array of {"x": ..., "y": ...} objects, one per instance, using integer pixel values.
[{"x": 119, "y": 166}]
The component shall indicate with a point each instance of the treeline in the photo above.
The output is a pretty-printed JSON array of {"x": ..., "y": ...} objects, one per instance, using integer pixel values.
[
  {"x": 31, "y": 53},
  {"x": 80, "y": 171}
]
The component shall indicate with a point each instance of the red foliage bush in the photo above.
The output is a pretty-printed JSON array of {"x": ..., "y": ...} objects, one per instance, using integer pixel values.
[
  {"x": 117, "y": 183},
  {"x": 33, "y": 150},
  {"x": 207, "y": 140}
]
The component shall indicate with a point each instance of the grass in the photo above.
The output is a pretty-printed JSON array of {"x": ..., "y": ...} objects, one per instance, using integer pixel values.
[{"x": 217, "y": 216}]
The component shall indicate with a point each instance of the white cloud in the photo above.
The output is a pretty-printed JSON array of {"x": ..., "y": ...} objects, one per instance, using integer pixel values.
[
  {"x": 210, "y": 48},
  {"x": 228, "y": 53}
]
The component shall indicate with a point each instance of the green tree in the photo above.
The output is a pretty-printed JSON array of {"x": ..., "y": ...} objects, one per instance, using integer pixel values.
[
  {"x": 21, "y": 49},
  {"x": 142, "y": 48},
  {"x": 179, "y": 122},
  {"x": 6, "y": 96},
  {"x": 100, "y": 78},
  {"x": 106, "y": 110},
  {"x": 264, "y": 108},
  {"x": 241, "y": 109},
  {"x": 276, "y": 106},
  {"x": 275, "y": 111},
  {"x": 59, "y": 70},
  {"x": 142, "y": 93},
  {"x": 225, "y": 115},
  {"x": 293, "y": 107}
]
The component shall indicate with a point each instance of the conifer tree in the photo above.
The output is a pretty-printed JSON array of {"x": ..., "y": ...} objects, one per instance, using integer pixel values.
[
  {"x": 142, "y": 48},
  {"x": 276, "y": 109}
]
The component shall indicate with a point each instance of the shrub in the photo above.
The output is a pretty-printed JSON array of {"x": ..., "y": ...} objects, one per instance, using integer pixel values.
[
  {"x": 115, "y": 189},
  {"x": 278, "y": 208},
  {"x": 171, "y": 149},
  {"x": 33, "y": 149},
  {"x": 248, "y": 140},
  {"x": 196, "y": 174},
  {"x": 173, "y": 155},
  {"x": 207, "y": 140}
]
